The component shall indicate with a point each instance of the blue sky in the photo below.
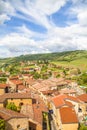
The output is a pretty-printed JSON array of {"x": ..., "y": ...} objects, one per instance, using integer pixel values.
[{"x": 42, "y": 26}]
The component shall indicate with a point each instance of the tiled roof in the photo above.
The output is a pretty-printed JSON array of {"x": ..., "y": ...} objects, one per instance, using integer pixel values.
[
  {"x": 49, "y": 83},
  {"x": 30, "y": 81},
  {"x": 7, "y": 114},
  {"x": 48, "y": 92},
  {"x": 21, "y": 87},
  {"x": 75, "y": 99},
  {"x": 83, "y": 98},
  {"x": 68, "y": 115},
  {"x": 14, "y": 96},
  {"x": 67, "y": 91},
  {"x": 2, "y": 86},
  {"x": 69, "y": 103},
  {"x": 38, "y": 109},
  {"x": 13, "y": 78},
  {"x": 37, "y": 86},
  {"x": 17, "y": 82},
  {"x": 59, "y": 100}
]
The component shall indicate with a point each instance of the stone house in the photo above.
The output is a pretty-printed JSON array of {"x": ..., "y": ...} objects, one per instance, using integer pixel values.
[
  {"x": 17, "y": 98},
  {"x": 83, "y": 103},
  {"x": 14, "y": 82},
  {"x": 59, "y": 107},
  {"x": 69, "y": 118},
  {"x": 14, "y": 120},
  {"x": 4, "y": 88}
]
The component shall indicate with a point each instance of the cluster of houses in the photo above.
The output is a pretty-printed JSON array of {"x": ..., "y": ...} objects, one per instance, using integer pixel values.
[{"x": 64, "y": 105}]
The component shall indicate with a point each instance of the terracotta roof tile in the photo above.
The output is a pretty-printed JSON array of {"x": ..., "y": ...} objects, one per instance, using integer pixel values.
[
  {"x": 59, "y": 100},
  {"x": 83, "y": 98},
  {"x": 38, "y": 109},
  {"x": 68, "y": 115},
  {"x": 67, "y": 91},
  {"x": 72, "y": 98},
  {"x": 14, "y": 96},
  {"x": 2, "y": 86},
  {"x": 21, "y": 87},
  {"x": 7, "y": 114},
  {"x": 13, "y": 78},
  {"x": 17, "y": 82},
  {"x": 69, "y": 104}
]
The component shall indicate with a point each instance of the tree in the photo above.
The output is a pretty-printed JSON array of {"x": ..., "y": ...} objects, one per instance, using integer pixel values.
[
  {"x": 11, "y": 106},
  {"x": 83, "y": 127},
  {"x": 86, "y": 90},
  {"x": 2, "y": 124},
  {"x": 36, "y": 75},
  {"x": 82, "y": 80}
]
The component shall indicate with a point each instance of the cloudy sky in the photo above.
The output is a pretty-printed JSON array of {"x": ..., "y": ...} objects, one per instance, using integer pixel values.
[{"x": 42, "y": 26}]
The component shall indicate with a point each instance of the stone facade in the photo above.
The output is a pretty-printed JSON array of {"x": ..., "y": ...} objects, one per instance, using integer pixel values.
[{"x": 17, "y": 124}]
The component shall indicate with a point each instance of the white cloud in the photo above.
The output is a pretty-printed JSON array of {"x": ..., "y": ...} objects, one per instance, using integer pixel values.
[
  {"x": 3, "y": 18},
  {"x": 80, "y": 10},
  {"x": 33, "y": 10},
  {"x": 73, "y": 37},
  {"x": 49, "y": 7},
  {"x": 6, "y": 11},
  {"x": 28, "y": 33},
  {"x": 23, "y": 41}
]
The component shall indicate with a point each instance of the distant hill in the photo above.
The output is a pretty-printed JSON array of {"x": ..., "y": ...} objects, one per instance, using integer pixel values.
[{"x": 72, "y": 57}]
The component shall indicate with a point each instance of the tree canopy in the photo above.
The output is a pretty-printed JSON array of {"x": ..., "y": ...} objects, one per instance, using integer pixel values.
[
  {"x": 11, "y": 106},
  {"x": 2, "y": 124}
]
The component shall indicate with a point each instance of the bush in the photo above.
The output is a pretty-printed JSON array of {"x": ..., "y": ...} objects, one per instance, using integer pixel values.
[
  {"x": 82, "y": 127},
  {"x": 11, "y": 106},
  {"x": 2, "y": 124}
]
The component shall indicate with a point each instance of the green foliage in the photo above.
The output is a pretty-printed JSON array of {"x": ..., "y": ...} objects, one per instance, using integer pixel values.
[
  {"x": 3, "y": 79},
  {"x": 36, "y": 75},
  {"x": 44, "y": 68},
  {"x": 83, "y": 127},
  {"x": 2, "y": 124},
  {"x": 86, "y": 90},
  {"x": 75, "y": 59},
  {"x": 82, "y": 80},
  {"x": 58, "y": 75},
  {"x": 14, "y": 70},
  {"x": 63, "y": 56},
  {"x": 11, "y": 106}
]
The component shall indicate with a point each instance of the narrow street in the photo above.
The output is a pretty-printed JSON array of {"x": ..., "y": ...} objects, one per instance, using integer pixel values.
[{"x": 52, "y": 124}]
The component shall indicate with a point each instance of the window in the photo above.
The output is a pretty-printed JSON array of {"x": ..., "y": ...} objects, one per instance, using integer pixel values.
[
  {"x": 29, "y": 128},
  {"x": 79, "y": 109}
]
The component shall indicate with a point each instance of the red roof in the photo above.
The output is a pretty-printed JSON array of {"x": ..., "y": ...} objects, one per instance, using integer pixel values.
[
  {"x": 67, "y": 91},
  {"x": 69, "y": 104},
  {"x": 14, "y": 96},
  {"x": 68, "y": 115},
  {"x": 13, "y": 78},
  {"x": 83, "y": 97},
  {"x": 7, "y": 114},
  {"x": 38, "y": 109},
  {"x": 17, "y": 82},
  {"x": 2, "y": 86},
  {"x": 21, "y": 87},
  {"x": 59, "y": 100},
  {"x": 75, "y": 99}
]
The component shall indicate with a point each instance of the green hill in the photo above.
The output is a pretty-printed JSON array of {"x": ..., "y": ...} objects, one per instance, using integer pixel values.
[{"x": 73, "y": 58}]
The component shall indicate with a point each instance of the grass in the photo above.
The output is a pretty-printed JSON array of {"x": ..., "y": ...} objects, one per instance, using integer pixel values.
[
  {"x": 79, "y": 63},
  {"x": 69, "y": 59}
]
